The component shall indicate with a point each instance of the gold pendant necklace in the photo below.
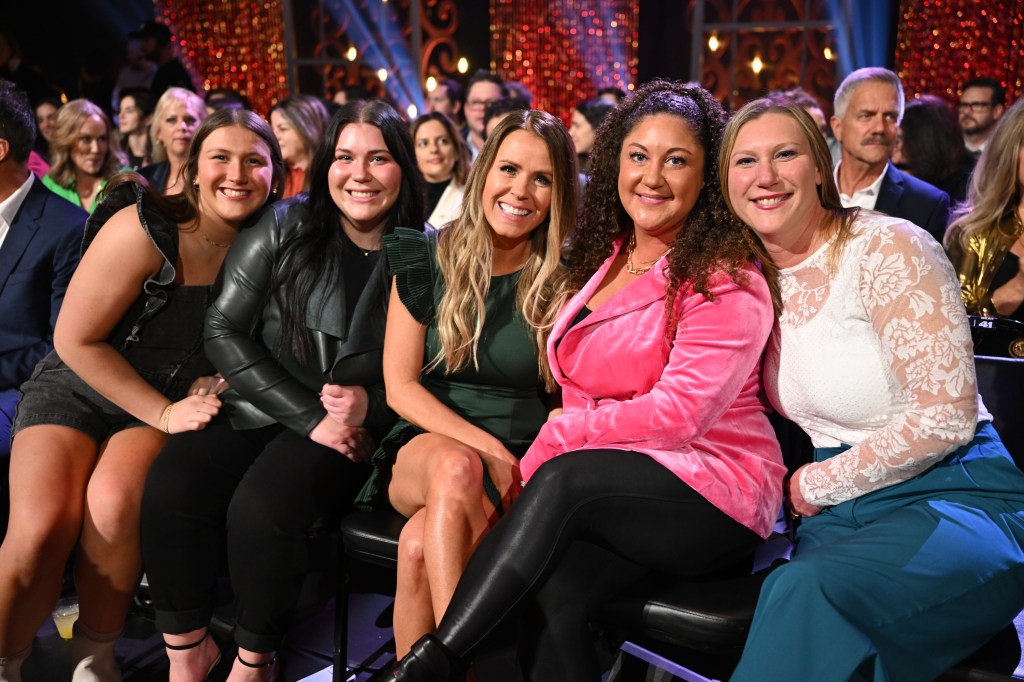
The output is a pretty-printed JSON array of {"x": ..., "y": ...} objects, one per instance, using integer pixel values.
[{"x": 645, "y": 265}]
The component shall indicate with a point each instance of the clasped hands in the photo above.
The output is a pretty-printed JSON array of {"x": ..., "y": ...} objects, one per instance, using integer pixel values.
[{"x": 341, "y": 429}]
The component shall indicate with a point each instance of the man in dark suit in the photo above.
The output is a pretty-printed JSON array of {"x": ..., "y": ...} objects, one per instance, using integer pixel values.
[
  {"x": 40, "y": 241},
  {"x": 868, "y": 108}
]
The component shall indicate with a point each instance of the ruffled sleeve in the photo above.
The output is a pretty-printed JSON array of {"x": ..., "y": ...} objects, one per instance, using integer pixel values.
[{"x": 412, "y": 260}]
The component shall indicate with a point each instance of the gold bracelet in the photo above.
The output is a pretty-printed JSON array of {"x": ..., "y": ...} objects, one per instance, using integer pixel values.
[{"x": 165, "y": 419}]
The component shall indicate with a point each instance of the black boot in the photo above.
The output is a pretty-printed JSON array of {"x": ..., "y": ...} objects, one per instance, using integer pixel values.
[{"x": 427, "y": 661}]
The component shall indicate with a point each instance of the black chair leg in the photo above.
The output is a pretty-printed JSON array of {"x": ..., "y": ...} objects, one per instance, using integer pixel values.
[{"x": 341, "y": 623}]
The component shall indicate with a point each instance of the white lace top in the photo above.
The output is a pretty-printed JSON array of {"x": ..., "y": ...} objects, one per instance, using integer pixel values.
[{"x": 878, "y": 356}]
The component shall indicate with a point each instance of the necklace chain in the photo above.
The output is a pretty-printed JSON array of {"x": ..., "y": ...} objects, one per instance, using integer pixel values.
[
  {"x": 644, "y": 265},
  {"x": 210, "y": 241}
]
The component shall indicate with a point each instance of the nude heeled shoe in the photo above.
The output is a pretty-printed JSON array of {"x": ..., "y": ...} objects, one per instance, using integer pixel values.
[{"x": 92, "y": 655}]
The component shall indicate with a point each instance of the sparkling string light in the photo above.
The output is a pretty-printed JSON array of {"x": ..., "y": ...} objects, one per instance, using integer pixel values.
[
  {"x": 565, "y": 51},
  {"x": 231, "y": 44},
  {"x": 942, "y": 43}
]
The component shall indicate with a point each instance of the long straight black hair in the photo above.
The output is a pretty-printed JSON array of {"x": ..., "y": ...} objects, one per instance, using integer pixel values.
[{"x": 313, "y": 253}]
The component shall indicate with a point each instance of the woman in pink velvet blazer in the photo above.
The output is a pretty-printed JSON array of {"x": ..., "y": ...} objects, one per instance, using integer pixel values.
[{"x": 663, "y": 459}]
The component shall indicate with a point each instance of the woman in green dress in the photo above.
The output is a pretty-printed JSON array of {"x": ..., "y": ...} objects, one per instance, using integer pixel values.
[{"x": 464, "y": 360}]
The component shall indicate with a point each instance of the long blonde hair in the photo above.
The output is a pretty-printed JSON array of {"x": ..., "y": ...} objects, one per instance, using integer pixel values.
[
  {"x": 465, "y": 251},
  {"x": 70, "y": 119},
  {"x": 995, "y": 188}
]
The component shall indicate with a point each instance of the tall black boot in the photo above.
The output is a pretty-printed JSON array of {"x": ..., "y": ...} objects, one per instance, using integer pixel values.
[{"x": 427, "y": 661}]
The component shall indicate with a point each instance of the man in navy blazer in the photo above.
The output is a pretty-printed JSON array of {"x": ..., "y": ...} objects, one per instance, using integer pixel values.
[
  {"x": 868, "y": 106},
  {"x": 40, "y": 241}
]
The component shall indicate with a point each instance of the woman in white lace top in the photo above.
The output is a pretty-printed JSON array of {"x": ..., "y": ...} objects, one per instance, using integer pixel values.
[{"x": 909, "y": 551}]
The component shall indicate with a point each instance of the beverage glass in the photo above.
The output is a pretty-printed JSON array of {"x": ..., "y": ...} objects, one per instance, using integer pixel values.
[{"x": 65, "y": 615}]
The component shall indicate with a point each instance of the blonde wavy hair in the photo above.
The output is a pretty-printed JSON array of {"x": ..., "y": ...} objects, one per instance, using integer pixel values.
[
  {"x": 465, "y": 251},
  {"x": 995, "y": 188},
  {"x": 70, "y": 119}
]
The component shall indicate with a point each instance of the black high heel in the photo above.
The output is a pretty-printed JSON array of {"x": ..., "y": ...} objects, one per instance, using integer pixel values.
[{"x": 427, "y": 661}]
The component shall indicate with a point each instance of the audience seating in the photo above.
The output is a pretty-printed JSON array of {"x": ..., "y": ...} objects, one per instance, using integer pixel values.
[{"x": 703, "y": 623}]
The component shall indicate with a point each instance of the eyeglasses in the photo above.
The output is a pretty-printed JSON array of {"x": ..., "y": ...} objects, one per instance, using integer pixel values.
[
  {"x": 973, "y": 106},
  {"x": 478, "y": 103}
]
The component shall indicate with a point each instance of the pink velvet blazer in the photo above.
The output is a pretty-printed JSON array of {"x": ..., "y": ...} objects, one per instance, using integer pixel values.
[{"x": 693, "y": 400}]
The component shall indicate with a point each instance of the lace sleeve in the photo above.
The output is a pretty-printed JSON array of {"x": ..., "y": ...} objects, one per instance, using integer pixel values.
[{"x": 910, "y": 292}]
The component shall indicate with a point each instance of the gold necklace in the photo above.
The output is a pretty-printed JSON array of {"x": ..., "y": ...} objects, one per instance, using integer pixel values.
[
  {"x": 644, "y": 265},
  {"x": 210, "y": 241}
]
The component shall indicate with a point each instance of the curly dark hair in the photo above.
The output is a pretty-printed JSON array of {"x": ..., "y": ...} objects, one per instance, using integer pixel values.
[{"x": 712, "y": 240}]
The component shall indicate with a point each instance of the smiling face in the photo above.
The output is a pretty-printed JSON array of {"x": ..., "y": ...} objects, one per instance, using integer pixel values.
[
  {"x": 518, "y": 188},
  {"x": 177, "y": 128},
  {"x": 364, "y": 180},
  {"x": 91, "y": 146},
  {"x": 661, "y": 172},
  {"x": 293, "y": 151},
  {"x": 234, "y": 174},
  {"x": 773, "y": 185},
  {"x": 435, "y": 151},
  {"x": 867, "y": 130},
  {"x": 582, "y": 133}
]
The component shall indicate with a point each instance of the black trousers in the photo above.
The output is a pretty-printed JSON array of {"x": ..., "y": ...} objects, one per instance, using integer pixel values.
[
  {"x": 587, "y": 525},
  {"x": 259, "y": 495}
]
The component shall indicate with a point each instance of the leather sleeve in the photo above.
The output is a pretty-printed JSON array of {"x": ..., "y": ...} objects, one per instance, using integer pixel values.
[{"x": 245, "y": 361}]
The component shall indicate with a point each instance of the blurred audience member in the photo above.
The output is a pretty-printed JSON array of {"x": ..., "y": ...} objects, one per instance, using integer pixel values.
[
  {"x": 499, "y": 109},
  {"x": 134, "y": 117},
  {"x": 155, "y": 39},
  {"x": 178, "y": 114},
  {"x": 447, "y": 98},
  {"x": 15, "y": 69},
  {"x": 40, "y": 237},
  {"x": 612, "y": 94},
  {"x": 137, "y": 73},
  {"x": 929, "y": 147},
  {"x": 982, "y": 101},
  {"x": 812, "y": 105},
  {"x": 586, "y": 119},
  {"x": 298, "y": 123},
  {"x": 484, "y": 87},
  {"x": 443, "y": 159},
  {"x": 225, "y": 98},
  {"x": 868, "y": 107},
  {"x": 46, "y": 118},
  {"x": 85, "y": 154},
  {"x": 517, "y": 90},
  {"x": 349, "y": 94},
  {"x": 984, "y": 239}
]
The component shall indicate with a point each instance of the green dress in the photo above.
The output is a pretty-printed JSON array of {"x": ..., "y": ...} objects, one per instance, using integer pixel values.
[{"x": 503, "y": 396}]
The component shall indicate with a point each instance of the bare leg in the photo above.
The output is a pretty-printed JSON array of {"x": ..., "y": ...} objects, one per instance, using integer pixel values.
[
  {"x": 442, "y": 477},
  {"x": 49, "y": 469},
  {"x": 414, "y": 611},
  {"x": 193, "y": 663},
  {"x": 262, "y": 667},
  {"x": 109, "y": 563}
]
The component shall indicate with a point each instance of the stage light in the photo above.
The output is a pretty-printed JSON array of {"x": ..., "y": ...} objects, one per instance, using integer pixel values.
[
  {"x": 463, "y": 65},
  {"x": 713, "y": 43},
  {"x": 382, "y": 74},
  {"x": 352, "y": 54},
  {"x": 412, "y": 111},
  {"x": 757, "y": 65},
  {"x": 431, "y": 83},
  {"x": 828, "y": 53}
]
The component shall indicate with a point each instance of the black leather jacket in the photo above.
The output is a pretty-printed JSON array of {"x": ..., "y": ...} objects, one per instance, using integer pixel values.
[{"x": 268, "y": 387}]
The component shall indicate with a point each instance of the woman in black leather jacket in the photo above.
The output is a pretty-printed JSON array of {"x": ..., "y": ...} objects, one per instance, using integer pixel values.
[{"x": 297, "y": 332}]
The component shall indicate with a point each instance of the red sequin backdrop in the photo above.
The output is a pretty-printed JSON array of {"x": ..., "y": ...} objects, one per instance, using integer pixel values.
[
  {"x": 942, "y": 43},
  {"x": 234, "y": 44},
  {"x": 565, "y": 51}
]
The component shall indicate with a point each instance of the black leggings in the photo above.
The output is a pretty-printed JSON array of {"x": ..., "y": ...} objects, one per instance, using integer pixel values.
[
  {"x": 262, "y": 494},
  {"x": 587, "y": 525}
]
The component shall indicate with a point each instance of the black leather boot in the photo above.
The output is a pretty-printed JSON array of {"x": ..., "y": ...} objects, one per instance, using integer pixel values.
[{"x": 427, "y": 661}]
